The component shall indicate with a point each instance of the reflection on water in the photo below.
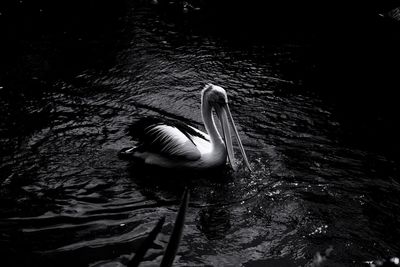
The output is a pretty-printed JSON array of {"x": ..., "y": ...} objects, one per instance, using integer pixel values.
[{"x": 67, "y": 199}]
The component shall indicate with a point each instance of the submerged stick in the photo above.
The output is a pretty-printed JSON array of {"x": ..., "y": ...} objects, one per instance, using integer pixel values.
[
  {"x": 147, "y": 243},
  {"x": 173, "y": 244}
]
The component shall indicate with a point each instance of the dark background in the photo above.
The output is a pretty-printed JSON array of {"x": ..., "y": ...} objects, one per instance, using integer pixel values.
[{"x": 352, "y": 58}]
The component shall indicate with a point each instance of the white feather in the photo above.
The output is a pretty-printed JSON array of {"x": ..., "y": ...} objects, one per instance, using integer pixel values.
[{"x": 175, "y": 143}]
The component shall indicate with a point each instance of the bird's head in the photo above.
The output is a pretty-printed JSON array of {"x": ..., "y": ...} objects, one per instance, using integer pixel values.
[{"x": 216, "y": 97}]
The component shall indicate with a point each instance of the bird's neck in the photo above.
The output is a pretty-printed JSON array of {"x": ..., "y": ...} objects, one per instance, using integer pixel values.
[{"x": 209, "y": 123}]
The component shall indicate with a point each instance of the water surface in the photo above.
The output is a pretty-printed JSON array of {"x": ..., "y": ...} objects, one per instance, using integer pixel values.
[{"x": 67, "y": 199}]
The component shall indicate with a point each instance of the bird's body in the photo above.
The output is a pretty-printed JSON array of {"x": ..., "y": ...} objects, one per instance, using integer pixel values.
[{"x": 173, "y": 144}]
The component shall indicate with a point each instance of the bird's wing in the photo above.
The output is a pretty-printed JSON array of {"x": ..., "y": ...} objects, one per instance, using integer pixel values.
[{"x": 169, "y": 138}]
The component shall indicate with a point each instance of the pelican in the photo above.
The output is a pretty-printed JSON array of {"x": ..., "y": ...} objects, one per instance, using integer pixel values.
[{"x": 172, "y": 144}]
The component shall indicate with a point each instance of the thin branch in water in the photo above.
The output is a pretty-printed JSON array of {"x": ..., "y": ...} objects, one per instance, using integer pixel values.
[
  {"x": 147, "y": 243},
  {"x": 173, "y": 244}
]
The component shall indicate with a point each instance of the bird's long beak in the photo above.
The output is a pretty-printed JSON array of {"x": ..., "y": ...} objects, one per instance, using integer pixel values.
[{"x": 225, "y": 117}]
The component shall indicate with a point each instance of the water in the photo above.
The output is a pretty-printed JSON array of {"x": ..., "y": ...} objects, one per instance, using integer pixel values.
[{"x": 67, "y": 199}]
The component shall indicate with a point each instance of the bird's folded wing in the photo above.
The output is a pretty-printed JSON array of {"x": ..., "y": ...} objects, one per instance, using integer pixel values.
[{"x": 170, "y": 141}]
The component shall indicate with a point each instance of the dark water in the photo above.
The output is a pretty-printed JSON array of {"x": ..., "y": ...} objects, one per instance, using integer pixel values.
[{"x": 67, "y": 200}]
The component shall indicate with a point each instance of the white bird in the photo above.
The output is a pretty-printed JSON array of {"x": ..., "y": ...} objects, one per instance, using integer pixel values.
[{"x": 172, "y": 144}]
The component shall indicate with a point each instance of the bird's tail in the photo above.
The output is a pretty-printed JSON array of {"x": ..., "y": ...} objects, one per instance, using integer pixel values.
[{"x": 127, "y": 152}]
